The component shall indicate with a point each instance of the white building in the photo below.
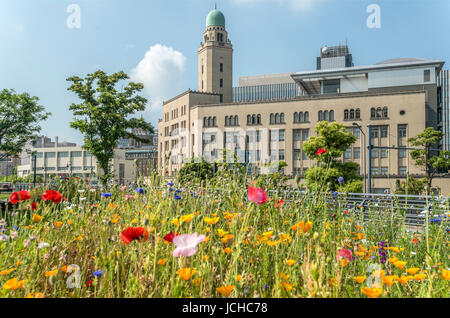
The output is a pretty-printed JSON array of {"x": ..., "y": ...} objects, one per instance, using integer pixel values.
[{"x": 75, "y": 161}]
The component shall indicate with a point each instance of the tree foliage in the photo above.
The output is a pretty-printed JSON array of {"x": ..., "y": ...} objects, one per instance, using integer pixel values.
[
  {"x": 196, "y": 172},
  {"x": 335, "y": 140},
  {"x": 102, "y": 116},
  {"x": 20, "y": 115},
  {"x": 427, "y": 157}
]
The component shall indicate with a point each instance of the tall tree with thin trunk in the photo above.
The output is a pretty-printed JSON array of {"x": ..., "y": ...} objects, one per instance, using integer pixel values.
[
  {"x": 103, "y": 114},
  {"x": 431, "y": 160},
  {"x": 20, "y": 115}
]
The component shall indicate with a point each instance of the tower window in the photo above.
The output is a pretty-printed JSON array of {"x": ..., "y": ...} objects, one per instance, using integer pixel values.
[
  {"x": 221, "y": 67},
  {"x": 221, "y": 98},
  {"x": 221, "y": 82}
]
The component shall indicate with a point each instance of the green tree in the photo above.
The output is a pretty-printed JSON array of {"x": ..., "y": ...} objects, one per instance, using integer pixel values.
[
  {"x": 427, "y": 157},
  {"x": 194, "y": 171},
  {"x": 20, "y": 115},
  {"x": 103, "y": 114},
  {"x": 410, "y": 186},
  {"x": 334, "y": 138}
]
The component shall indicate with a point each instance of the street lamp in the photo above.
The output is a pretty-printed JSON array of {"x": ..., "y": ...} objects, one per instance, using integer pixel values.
[{"x": 365, "y": 156}]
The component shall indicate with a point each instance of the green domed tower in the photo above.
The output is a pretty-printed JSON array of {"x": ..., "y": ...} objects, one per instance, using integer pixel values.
[{"x": 215, "y": 58}]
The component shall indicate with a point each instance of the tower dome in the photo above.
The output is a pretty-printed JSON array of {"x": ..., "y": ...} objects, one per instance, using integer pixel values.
[{"x": 215, "y": 18}]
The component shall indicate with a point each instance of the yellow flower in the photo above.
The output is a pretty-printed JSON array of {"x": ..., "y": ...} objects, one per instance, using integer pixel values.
[
  {"x": 302, "y": 227},
  {"x": 14, "y": 284},
  {"x": 225, "y": 290},
  {"x": 211, "y": 221},
  {"x": 187, "y": 218},
  {"x": 445, "y": 274},
  {"x": 238, "y": 278},
  {"x": 36, "y": 218},
  {"x": 360, "y": 279},
  {"x": 226, "y": 238},
  {"x": 186, "y": 273},
  {"x": 175, "y": 222},
  {"x": 227, "y": 250},
  {"x": 69, "y": 222},
  {"x": 360, "y": 236},
  {"x": 268, "y": 234},
  {"x": 51, "y": 273},
  {"x": 7, "y": 272},
  {"x": 289, "y": 262},
  {"x": 393, "y": 259},
  {"x": 372, "y": 292},
  {"x": 404, "y": 279},
  {"x": 79, "y": 238},
  {"x": 35, "y": 295},
  {"x": 388, "y": 280},
  {"x": 412, "y": 270},
  {"x": 205, "y": 257},
  {"x": 396, "y": 249},
  {"x": 286, "y": 286},
  {"x": 343, "y": 262},
  {"x": 221, "y": 232},
  {"x": 58, "y": 224},
  {"x": 420, "y": 276},
  {"x": 162, "y": 261},
  {"x": 400, "y": 264},
  {"x": 115, "y": 219}
]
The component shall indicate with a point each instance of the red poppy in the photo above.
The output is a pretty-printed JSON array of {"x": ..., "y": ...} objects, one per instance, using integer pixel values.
[
  {"x": 415, "y": 241},
  {"x": 134, "y": 233},
  {"x": 345, "y": 212},
  {"x": 279, "y": 203},
  {"x": 169, "y": 237},
  {"x": 20, "y": 196},
  {"x": 257, "y": 195},
  {"x": 89, "y": 283},
  {"x": 52, "y": 195},
  {"x": 33, "y": 206},
  {"x": 321, "y": 151}
]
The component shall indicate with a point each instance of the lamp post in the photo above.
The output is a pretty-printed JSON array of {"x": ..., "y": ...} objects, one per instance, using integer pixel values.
[{"x": 365, "y": 156}]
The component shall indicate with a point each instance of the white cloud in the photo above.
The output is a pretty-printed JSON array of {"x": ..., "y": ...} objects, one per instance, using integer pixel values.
[
  {"x": 301, "y": 5},
  {"x": 162, "y": 73}
]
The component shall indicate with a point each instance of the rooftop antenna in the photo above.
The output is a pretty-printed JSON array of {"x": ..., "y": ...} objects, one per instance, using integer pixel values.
[{"x": 215, "y": 5}]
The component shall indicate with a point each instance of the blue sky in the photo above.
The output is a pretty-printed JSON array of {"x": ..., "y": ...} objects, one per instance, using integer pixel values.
[{"x": 156, "y": 42}]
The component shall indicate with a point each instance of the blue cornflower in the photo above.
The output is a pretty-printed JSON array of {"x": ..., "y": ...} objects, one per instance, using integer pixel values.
[
  {"x": 341, "y": 179},
  {"x": 170, "y": 184},
  {"x": 140, "y": 190},
  {"x": 178, "y": 191},
  {"x": 98, "y": 273},
  {"x": 177, "y": 197},
  {"x": 16, "y": 227},
  {"x": 171, "y": 189},
  {"x": 106, "y": 195}
]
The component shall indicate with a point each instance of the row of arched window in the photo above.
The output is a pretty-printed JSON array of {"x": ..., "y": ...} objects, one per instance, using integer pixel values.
[
  {"x": 352, "y": 114},
  {"x": 209, "y": 121},
  {"x": 232, "y": 120},
  {"x": 326, "y": 115},
  {"x": 254, "y": 119},
  {"x": 379, "y": 112},
  {"x": 277, "y": 118},
  {"x": 301, "y": 117}
]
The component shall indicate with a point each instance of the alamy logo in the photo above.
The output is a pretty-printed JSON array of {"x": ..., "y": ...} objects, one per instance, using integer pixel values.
[
  {"x": 74, "y": 19},
  {"x": 374, "y": 19}
]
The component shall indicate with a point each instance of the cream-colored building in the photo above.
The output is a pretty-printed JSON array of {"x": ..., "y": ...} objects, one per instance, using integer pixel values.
[
  {"x": 75, "y": 161},
  {"x": 396, "y": 98}
]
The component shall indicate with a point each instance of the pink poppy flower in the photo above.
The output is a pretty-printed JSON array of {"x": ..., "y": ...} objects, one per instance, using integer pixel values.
[
  {"x": 257, "y": 195},
  {"x": 187, "y": 244},
  {"x": 343, "y": 253},
  {"x": 321, "y": 151}
]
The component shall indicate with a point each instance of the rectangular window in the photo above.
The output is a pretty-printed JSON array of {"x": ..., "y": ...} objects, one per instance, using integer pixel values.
[
  {"x": 64, "y": 154},
  {"x": 50, "y": 155},
  {"x": 221, "y": 67},
  {"x": 374, "y": 132},
  {"x": 374, "y": 153},
  {"x": 281, "y": 135},
  {"x": 304, "y": 156},
  {"x": 221, "y": 82},
  {"x": 426, "y": 76},
  {"x": 401, "y": 131},
  {"x": 331, "y": 86},
  {"x": 402, "y": 171},
  {"x": 305, "y": 135},
  {"x": 273, "y": 135},
  {"x": 348, "y": 154},
  {"x": 221, "y": 98},
  {"x": 356, "y": 133},
  {"x": 384, "y": 131},
  {"x": 402, "y": 153},
  {"x": 374, "y": 171},
  {"x": 356, "y": 153},
  {"x": 384, "y": 171},
  {"x": 297, "y": 154},
  {"x": 384, "y": 153},
  {"x": 296, "y": 135},
  {"x": 281, "y": 154},
  {"x": 258, "y": 136}
]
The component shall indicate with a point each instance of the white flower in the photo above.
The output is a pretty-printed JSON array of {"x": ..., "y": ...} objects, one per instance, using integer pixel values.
[
  {"x": 3, "y": 237},
  {"x": 187, "y": 244},
  {"x": 13, "y": 234},
  {"x": 43, "y": 245},
  {"x": 83, "y": 199},
  {"x": 81, "y": 191},
  {"x": 3, "y": 223}
]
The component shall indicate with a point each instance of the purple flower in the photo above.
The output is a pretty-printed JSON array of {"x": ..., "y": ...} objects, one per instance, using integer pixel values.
[
  {"x": 382, "y": 252},
  {"x": 98, "y": 273},
  {"x": 341, "y": 179}
]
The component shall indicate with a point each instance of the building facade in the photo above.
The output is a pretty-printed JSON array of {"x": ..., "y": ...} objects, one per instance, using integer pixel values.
[
  {"x": 75, "y": 161},
  {"x": 444, "y": 101},
  {"x": 397, "y": 98}
]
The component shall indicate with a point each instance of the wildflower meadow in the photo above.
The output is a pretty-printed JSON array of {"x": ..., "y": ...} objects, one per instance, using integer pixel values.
[{"x": 163, "y": 239}]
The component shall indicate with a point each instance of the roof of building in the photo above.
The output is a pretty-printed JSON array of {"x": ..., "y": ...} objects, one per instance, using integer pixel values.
[
  {"x": 215, "y": 18},
  {"x": 389, "y": 64}
]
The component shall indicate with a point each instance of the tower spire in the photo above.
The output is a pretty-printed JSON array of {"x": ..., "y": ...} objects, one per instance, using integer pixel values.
[{"x": 215, "y": 5}]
